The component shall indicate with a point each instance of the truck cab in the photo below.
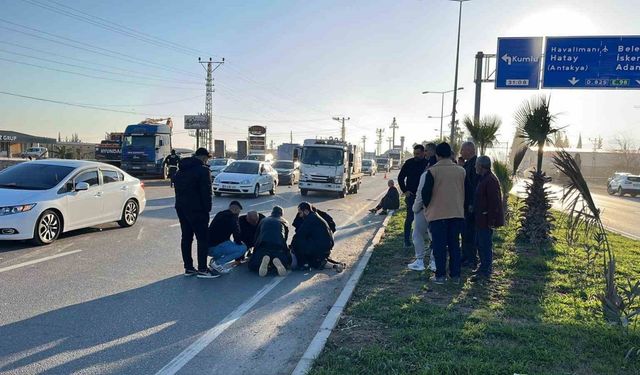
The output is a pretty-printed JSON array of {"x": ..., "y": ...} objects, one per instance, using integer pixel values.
[
  {"x": 330, "y": 165},
  {"x": 144, "y": 148}
]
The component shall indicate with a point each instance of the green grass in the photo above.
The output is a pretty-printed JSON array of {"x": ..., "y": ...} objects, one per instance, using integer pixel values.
[{"x": 536, "y": 316}]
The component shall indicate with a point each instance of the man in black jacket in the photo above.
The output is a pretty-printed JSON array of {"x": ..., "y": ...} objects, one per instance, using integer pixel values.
[
  {"x": 408, "y": 179},
  {"x": 313, "y": 241},
  {"x": 271, "y": 245},
  {"x": 469, "y": 248},
  {"x": 249, "y": 227},
  {"x": 221, "y": 248},
  {"x": 299, "y": 219},
  {"x": 172, "y": 161},
  {"x": 390, "y": 201},
  {"x": 193, "y": 204}
]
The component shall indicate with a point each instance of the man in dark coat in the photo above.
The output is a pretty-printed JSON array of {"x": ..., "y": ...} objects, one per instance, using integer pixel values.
[
  {"x": 193, "y": 204},
  {"x": 489, "y": 214},
  {"x": 469, "y": 249},
  {"x": 390, "y": 201},
  {"x": 299, "y": 219},
  {"x": 172, "y": 161},
  {"x": 249, "y": 227},
  {"x": 221, "y": 248},
  {"x": 271, "y": 245},
  {"x": 313, "y": 241},
  {"x": 408, "y": 179}
]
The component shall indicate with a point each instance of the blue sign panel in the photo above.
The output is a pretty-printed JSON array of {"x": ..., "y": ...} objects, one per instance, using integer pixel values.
[
  {"x": 518, "y": 63},
  {"x": 592, "y": 62}
]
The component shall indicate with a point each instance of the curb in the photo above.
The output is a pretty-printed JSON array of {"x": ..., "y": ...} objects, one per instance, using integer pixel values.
[{"x": 330, "y": 321}]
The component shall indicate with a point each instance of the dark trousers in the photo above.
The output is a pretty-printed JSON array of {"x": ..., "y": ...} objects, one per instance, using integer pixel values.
[
  {"x": 445, "y": 239},
  {"x": 172, "y": 173},
  {"x": 408, "y": 221},
  {"x": 469, "y": 246},
  {"x": 194, "y": 223},
  {"x": 484, "y": 240}
]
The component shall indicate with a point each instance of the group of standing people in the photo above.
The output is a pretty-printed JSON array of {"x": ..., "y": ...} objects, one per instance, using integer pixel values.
[
  {"x": 231, "y": 239},
  {"x": 448, "y": 199}
]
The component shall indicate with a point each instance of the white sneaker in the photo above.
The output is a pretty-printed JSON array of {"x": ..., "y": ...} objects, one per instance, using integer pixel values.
[
  {"x": 418, "y": 265},
  {"x": 432, "y": 266}
]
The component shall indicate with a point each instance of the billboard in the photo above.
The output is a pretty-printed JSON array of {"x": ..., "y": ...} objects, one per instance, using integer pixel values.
[
  {"x": 242, "y": 150},
  {"x": 257, "y": 130},
  {"x": 196, "y": 122},
  {"x": 219, "y": 150}
]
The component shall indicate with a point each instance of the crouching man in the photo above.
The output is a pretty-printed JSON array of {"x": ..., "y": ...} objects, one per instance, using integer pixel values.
[
  {"x": 313, "y": 241},
  {"x": 271, "y": 250},
  {"x": 221, "y": 249}
]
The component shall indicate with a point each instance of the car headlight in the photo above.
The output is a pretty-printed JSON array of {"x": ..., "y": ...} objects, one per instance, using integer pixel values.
[
  {"x": 245, "y": 182},
  {"x": 337, "y": 179},
  {"x": 10, "y": 210}
]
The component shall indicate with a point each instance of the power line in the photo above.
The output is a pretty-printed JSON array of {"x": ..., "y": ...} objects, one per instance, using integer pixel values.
[
  {"x": 95, "y": 77},
  {"x": 108, "y": 53}
]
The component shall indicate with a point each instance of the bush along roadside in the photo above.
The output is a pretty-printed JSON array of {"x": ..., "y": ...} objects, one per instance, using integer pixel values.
[{"x": 539, "y": 314}]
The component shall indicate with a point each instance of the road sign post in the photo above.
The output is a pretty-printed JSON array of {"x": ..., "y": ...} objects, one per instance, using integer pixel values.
[
  {"x": 592, "y": 62},
  {"x": 518, "y": 63}
]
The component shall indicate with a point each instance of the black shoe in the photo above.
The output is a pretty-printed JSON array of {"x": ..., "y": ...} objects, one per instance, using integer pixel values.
[
  {"x": 190, "y": 272},
  {"x": 208, "y": 274},
  {"x": 383, "y": 212}
]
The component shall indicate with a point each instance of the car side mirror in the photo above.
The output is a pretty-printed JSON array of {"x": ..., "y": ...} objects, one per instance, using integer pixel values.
[{"x": 82, "y": 186}]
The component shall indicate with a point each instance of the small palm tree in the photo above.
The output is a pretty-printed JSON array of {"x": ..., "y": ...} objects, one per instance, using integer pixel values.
[
  {"x": 535, "y": 125},
  {"x": 484, "y": 133}
]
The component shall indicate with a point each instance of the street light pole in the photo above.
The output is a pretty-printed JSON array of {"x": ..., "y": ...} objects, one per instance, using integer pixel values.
[
  {"x": 442, "y": 116},
  {"x": 455, "y": 83}
]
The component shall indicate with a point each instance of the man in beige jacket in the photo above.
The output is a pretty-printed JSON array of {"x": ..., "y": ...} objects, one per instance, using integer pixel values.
[{"x": 443, "y": 199}]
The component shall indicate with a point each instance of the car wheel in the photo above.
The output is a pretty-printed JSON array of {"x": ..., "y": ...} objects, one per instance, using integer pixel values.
[
  {"x": 304, "y": 192},
  {"x": 129, "y": 214},
  {"x": 217, "y": 194},
  {"x": 256, "y": 191},
  {"x": 165, "y": 172},
  {"x": 610, "y": 190},
  {"x": 273, "y": 189},
  {"x": 47, "y": 229},
  {"x": 620, "y": 193}
]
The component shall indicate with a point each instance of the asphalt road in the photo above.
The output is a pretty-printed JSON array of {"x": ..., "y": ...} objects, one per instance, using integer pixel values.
[
  {"x": 620, "y": 214},
  {"x": 114, "y": 301}
]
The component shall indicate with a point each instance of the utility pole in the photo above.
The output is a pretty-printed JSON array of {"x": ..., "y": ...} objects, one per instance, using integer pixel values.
[
  {"x": 379, "y": 141},
  {"x": 389, "y": 139},
  {"x": 291, "y": 137},
  {"x": 207, "y": 135},
  {"x": 393, "y": 127},
  {"x": 364, "y": 144},
  {"x": 455, "y": 81},
  {"x": 344, "y": 130}
]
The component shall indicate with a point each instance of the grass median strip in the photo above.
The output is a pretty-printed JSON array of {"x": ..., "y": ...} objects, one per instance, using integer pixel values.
[{"x": 536, "y": 316}]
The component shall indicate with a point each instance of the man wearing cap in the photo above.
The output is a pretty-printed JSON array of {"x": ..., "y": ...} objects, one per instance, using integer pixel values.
[
  {"x": 221, "y": 249},
  {"x": 193, "y": 204},
  {"x": 443, "y": 200},
  {"x": 271, "y": 245}
]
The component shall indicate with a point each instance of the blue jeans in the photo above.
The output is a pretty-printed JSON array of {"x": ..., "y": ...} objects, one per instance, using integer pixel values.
[
  {"x": 484, "y": 241},
  {"x": 445, "y": 238},
  {"x": 226, "y": 252},
  {"x": 408, "y": 221}
]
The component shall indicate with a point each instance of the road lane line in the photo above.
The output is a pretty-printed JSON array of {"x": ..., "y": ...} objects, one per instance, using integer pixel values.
[
  {"x": 208, "y": 337},
  {"x": 20, "y": 265},
  {"x": 140, "y": 233},
  {"x": 174, "y": 225},
  {"x": 258, "y": 204}
]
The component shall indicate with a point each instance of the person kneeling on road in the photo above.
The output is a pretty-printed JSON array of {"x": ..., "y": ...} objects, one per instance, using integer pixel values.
[
  {"x": 271, "y": 245},
  {"x": 249, "y": 230},
  {"x": 299, "y": 219},
  {"x": 313, "y": 241},
  {"x": 390, "y": 201},
  {"x": 221, "y": 249}
]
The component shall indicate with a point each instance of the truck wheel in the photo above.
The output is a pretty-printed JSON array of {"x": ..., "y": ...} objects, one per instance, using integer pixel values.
[
  {"x": 304, "y": 192},
  {"x": 217, "y": 194},
  {"x": 343, "y": 193}
]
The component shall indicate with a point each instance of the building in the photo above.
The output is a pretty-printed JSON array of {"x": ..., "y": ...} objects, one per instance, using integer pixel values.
[{"x": 13, "y": 144}]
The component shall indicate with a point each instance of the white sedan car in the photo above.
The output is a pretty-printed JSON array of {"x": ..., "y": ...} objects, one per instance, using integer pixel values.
[
  {"x": 246, "y": 177},
  {"x": 217, "y": 165},
  {"x": 41, "y": 199}
]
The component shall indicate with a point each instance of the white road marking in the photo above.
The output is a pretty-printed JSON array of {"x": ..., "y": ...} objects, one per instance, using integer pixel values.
[
  {"x": 174, "y": 225},
  {"x": 261, "y": 203},
  {"x": 140, "y": 233},
  {"x": 20, "y": 265},
  {"x": 207, "y": 338}
]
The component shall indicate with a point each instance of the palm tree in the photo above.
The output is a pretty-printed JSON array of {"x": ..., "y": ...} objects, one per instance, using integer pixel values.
[
  {"x": 484, "y": 132},
  {"x": 535, "y": 125}
]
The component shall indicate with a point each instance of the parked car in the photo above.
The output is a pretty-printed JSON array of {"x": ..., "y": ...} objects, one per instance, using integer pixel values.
[
  {"x": 616, "y": 175},
  {"x": 624, "y": 184},
  {"x": 288, "y": 172},
  {"x": 369, "y": 167},
  {"x": 35, "y": 153},
  {"x": 217, "y": 165},
  {"x": 41, "y": 199},
  {"x": 246, "y": 177}
]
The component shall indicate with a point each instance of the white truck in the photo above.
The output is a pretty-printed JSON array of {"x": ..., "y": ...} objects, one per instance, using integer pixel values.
[{"x": 330, "y": 165}]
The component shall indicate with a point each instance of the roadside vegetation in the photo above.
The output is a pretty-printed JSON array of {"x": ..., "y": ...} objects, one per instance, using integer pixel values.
[{"x": 539, "y": 314}]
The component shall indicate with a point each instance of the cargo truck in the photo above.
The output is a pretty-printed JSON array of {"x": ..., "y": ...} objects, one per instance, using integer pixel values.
[
  {"x": 145, "y": 146},
  {"x": 330, "y": 165}
]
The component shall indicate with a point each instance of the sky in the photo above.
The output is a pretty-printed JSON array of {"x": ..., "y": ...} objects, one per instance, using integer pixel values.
[{"x": 289, "y": 65}]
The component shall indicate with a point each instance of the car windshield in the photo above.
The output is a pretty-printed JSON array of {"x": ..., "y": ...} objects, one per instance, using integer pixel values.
[
  {"x": 243, "y": 168},
  {"x": 29, "y": 176},
  {"x": 218, "y": 162},
  {"x": 634, "y": 178},
  {"x": 140, "y": 141},
  {"x": 322, "y": 156},
  {"x": 283, "y": 165},
  {"x": 366, "y": 163}
]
